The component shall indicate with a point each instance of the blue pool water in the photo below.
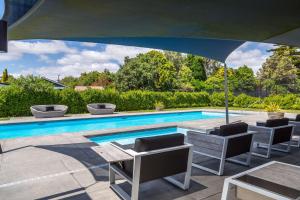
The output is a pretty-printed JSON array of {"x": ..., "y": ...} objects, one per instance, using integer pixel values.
[
  {"x": 125, "y": 138},
  {"x": 71, "y": 126}
]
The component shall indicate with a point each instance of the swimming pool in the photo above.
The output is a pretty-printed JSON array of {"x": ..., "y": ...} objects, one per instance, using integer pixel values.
[
  {"x": 129, "y": 137},
  {"x": 8, "y": 131}
]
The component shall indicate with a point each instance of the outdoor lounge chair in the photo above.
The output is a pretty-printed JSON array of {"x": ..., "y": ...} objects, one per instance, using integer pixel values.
[
  {"x": 47, "y": 111},
  {"x": 101, "y": 108},
  {"x": 270, "y": 133},
  {"x": 154, "y": 158},
  {"x": 224, "y": 144},
  {"x": 296, "y": 133}
]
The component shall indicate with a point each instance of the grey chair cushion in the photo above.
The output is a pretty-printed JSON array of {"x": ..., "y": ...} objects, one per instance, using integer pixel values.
[
  {"x": 158, "y": 142},
  {"x": 277, "y": 122},
  {"x": 297, "y": 119},
  {"x": 231, "y": 129}
]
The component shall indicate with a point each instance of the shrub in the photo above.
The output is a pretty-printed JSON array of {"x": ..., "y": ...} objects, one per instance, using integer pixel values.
[
  {"x": 190, "y": 99},
  {"x": 284, "y": 101},
  {"x": 159, "y": 105},
  {"x": 272, "y": 107},
  {"x": 73, "y": 100},
  {"x": 245, "y": 101},
  {"x": 218, "y": 99},
  {"x": 296, "y": 105},
  {"x": 16, "y": 101}
]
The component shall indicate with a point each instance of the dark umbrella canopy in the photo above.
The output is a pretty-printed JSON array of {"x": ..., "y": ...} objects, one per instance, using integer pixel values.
[{"x": 205, "y": 27}]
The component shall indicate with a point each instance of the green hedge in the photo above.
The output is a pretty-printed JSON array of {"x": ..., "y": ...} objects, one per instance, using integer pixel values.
[{"x": 15, "y": 101}]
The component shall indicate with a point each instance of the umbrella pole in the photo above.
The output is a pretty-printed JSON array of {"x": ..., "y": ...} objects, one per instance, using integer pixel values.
[{"x": 226, "y": 93}]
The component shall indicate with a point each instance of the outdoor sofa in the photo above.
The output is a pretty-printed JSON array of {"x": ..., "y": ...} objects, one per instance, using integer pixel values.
[
  {"x": 224, "y": 144},
  {"x": 101, "y": 108},
  {"x": 154, "y": 158},
  {"x": 47, "y": 111},
  {"x": 296, "y": 133},
  {"x": 273, "y": 132}
]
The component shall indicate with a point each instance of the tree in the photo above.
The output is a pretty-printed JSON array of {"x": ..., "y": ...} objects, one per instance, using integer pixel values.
[
  {"x": 32, "y": 83},
  {"x": 105, "y": 79},
  {"x": 176, "y": 58},
  {"x": 70, "y": 81},
  {"x": 149, "y": 71},
  {"x": 216, "y": 81},
  {"x": 196, "y": 64},
  {"x": 245, "y": 80},
  {"x": 87, "y": 78},
  {"x": 280, "y": 69},
  {"x": 4, "y": 76},
  {"x": 185, "y": 77},
  {"x": 211, "y": 66}
]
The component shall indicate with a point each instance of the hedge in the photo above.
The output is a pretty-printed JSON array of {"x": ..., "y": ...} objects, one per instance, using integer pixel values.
[{"x": 15, "y": 101}]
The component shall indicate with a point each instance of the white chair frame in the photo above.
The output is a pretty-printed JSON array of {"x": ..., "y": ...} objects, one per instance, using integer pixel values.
[
  {"x": 223, "y": 158},
  {"x": 269, "y": 146},
  {"x": 135, "y": 180},
  {"x": 232, "y": 181},
  {"x": 296, "y": 132}
]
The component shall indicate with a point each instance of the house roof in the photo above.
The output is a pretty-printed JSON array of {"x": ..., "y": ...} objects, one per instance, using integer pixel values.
[
  {"x": 55, "y": 83},
  {"x": 209, "y": 28}
]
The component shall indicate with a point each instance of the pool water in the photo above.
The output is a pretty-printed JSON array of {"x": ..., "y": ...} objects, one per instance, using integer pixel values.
[
  {"x": 18, "y": 130},
  {"x": 125, "y": 138}
]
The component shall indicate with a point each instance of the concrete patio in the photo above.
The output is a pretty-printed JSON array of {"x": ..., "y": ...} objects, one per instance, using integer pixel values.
[{"x": 64, "y": 167}]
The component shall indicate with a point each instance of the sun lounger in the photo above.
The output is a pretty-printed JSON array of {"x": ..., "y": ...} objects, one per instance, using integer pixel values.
[
  {"x": 101, "y": 108},
  {"x": 47, "y": 111}
]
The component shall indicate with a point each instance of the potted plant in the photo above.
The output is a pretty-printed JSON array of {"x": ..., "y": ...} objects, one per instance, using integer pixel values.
[
  {"x": 159, "y": 106},
  {"x": 274, "y": 111}
]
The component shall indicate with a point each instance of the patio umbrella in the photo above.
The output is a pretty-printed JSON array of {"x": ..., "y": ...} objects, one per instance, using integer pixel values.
[{"x": 209, "y": 28}]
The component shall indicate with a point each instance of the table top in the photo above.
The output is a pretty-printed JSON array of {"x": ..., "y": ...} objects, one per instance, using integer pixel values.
[
  {"x": 112, "y": 153},
  {"x": 277, "y": 177}
]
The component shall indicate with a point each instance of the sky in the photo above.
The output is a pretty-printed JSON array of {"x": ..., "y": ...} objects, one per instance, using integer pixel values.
[{"x": 52, "y": 58}]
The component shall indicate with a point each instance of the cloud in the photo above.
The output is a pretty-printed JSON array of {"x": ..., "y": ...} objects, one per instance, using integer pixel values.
[
  {"x": 67, "y": 70},
  {"x": 250, "y": 54},
  {"x": 73, "y": 63},
  {"x": 16, "y": 49}
]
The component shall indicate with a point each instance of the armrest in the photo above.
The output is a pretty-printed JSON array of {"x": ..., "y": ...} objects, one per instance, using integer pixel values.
[
  {"x": 261, "y": 128},
  {"x": 278, "y": 127},
  {"x": 241, "y": 134}
]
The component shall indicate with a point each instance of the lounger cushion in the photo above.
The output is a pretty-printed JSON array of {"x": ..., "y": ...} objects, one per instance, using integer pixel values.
[
  {"x": 101, "y": 106},
  {"x": 49, "y": 108},
  {"x": 231, "y": 129},
  {"x": 277, "y": 122}
]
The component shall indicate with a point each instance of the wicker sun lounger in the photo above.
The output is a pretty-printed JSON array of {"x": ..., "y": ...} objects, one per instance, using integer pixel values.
[
  {"x": 101, "y": 108},
  {"x": 48, "y": 111}
]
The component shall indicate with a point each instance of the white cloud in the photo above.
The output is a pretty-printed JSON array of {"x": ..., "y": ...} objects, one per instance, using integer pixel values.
[
  {"x": 74, "y": 63},
  {"x": 253, "y": 57},
  {"x": 16, "y": 49}
]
